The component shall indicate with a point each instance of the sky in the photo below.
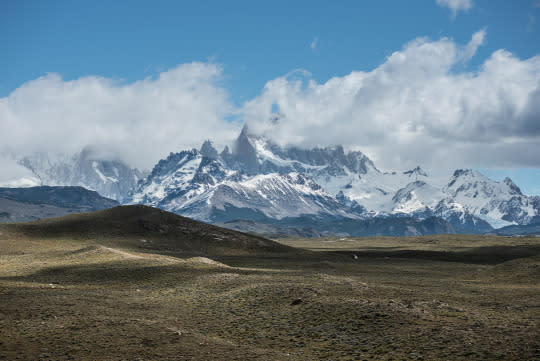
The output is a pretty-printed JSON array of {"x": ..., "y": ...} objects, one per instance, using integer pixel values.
[{"x": 442, "y": 83}]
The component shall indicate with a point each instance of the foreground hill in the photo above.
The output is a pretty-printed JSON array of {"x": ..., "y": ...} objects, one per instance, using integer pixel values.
[
  {"x": 142, "y": 227},
  {"x": 28, "y": 204}
]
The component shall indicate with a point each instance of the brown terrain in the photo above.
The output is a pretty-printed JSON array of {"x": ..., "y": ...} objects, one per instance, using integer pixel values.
[{"x": 136, "y": 283}]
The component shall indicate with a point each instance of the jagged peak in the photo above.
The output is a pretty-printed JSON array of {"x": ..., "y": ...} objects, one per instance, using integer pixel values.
[
  {"x": 463, "y": 173},
  {"x": 471, "y": 173},
  {"x": 418, "y": 171},
  {"x": 466, "y": 172},
  {"x": 515, "y": 189},
  {"x": 226, "y": 151},
  {"x": 208, "y": 150},
  {"x": 247, "y": 132},
  {"x": 244, "y": 151},
  {"x": 244, "y": 136},
  {"x": 173, "y": 159},
  {"x": 508, "y": 181},
  {"x": 253, "y": 150},
  {"x": 245, "y": 129}
]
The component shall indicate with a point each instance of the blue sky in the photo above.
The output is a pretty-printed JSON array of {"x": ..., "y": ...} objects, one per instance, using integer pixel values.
[{"x": 254, "y": 43}]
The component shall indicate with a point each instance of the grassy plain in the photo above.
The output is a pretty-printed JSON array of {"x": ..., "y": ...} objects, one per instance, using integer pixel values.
[{"x": 78, "y": 295}]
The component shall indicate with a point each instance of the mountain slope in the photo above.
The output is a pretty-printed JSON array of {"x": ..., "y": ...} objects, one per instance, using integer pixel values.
[
  {"x": 518, "y": 230},
  {"x": 25, "y": 204},
  {"x": 145, "y": 228}
]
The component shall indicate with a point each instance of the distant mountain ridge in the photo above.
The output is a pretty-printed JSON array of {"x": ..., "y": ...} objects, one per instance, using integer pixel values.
[
  {"x": 344, "y": 227},
  {"x": 27, "y": 204},
  {"x": 256, "y": 179},
  {"x": 261, "y": 181}
]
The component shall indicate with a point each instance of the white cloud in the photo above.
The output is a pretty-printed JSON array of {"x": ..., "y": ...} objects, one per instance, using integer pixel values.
[
  {"x": 418, "y": 107},
  {"x": 313, "y": 44},
  {"x": 476, "y": 41},
  {"x": 456, "y": 5},
  {"x": 14, "y": 174},
  {"x": 415, "y": 108},
  {"x": 139, "y": 122}
]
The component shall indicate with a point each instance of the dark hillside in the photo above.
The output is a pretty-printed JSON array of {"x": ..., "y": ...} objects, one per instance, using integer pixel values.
[
  {"x": 28, "y": 204},
  {"x": 147, "y": 228}
]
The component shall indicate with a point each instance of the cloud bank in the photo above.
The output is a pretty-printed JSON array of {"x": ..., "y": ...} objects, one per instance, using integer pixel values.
[
  {"x": 137, "y": 122},
  {"x": 421, "y": 106},
  {"x": 416, "y": 107}
]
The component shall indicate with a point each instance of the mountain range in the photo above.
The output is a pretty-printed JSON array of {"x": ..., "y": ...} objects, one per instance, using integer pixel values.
[
  {"x": 32, "y": 203},
  {"x": 260, "y": 181}
]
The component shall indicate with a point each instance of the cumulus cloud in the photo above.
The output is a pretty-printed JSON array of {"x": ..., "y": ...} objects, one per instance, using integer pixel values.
[
  {"x": 418, "y": 107},
  {"x": 138, "y": 122},
  {"x": 414, "y": 108},
  {"x": 456, "y": 5}
]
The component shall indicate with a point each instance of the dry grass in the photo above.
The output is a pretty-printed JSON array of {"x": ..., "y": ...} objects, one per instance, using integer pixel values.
[
  {"x": 442, "y": 242},
  {"x": 95, "y": 300}
]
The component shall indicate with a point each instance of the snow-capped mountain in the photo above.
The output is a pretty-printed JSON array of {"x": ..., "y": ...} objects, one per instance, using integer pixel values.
[
  {"x": 257, "y": 179},
  {"x": 501, "y": 204},
  {"x": 206, "y": 186},
  {"x": 110, "y": 178}
]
